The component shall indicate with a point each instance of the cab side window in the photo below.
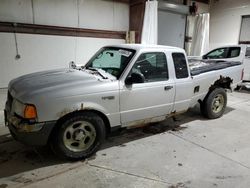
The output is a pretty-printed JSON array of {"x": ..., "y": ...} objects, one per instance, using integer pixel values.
[
  {"x": 152, "y": 65},
  {"x": 180, "y": 65}
]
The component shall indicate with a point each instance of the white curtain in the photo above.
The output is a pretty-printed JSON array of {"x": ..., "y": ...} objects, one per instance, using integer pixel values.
[
  {"x": 200, "y": 38},
  {"x": 150, "y": 23}
]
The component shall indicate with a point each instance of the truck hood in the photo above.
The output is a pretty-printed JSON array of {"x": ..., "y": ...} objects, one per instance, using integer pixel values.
[{"x": 54, "y": 83}]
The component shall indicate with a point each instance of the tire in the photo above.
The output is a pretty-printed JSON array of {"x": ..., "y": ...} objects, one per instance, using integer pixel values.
[
  {"x": 79, "y": 136},
  {"x": 214, "y": 104},
  {"x": 202, "y": 109}
]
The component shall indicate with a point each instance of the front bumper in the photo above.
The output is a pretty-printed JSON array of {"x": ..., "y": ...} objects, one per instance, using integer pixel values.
[{"x": 34, "y": 134}]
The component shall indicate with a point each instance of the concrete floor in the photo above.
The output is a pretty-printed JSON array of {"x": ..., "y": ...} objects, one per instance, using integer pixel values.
[{"x": 189, "y": 152}]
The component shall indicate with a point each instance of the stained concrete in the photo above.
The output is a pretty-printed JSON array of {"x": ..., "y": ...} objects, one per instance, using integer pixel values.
[{"x": 190, "y": 151}]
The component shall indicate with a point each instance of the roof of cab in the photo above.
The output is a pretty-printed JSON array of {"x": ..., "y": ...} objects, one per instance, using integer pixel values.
[{"x": 144, "y": 46}]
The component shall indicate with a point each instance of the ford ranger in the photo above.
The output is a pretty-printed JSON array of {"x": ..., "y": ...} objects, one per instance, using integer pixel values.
[{"x": 121, "y": 86}]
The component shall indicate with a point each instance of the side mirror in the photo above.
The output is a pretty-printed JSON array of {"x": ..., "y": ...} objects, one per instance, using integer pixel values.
[
  {"x": 135, "y": 78},
  {"x": 204, "y": 57},
  {"x": 72, "y": 65}
]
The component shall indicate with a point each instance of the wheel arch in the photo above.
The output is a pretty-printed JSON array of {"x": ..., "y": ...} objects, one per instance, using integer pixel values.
[
  {"x": 70, "y": 114},
  {"x": 222, "y": 82}
]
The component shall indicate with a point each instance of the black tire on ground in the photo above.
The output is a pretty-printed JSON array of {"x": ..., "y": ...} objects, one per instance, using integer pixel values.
[
  {"x": 214, "y": 104},
  {"x": 202, "y": 109},
  {"x": 77, "y": 131}
]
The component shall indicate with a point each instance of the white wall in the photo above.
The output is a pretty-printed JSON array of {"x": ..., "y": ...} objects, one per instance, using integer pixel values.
[
  {"x": 16, "y": 11},
  {"x": 93, "y": 14},
  {"x": 42, "y": 52},
  {"x": 225, "y": 21}
]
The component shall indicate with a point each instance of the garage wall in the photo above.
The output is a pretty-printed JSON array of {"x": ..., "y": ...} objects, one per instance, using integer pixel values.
[
  {"x": 43, "y": 52},
  {"x": 225, "y": 21},
  {"x": 93, "y": 14}
]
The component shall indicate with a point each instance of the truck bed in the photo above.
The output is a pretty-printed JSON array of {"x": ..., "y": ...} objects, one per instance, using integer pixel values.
[{"x": 201, "y": 66}]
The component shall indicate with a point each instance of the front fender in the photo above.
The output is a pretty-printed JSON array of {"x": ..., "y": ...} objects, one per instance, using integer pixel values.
[{"x": 55, "y": 109}]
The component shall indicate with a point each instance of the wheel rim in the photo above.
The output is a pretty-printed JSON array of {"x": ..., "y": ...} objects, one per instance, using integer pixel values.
[
  {"x": 79, "y": 136},
  {"x": 218, "y": 103}
]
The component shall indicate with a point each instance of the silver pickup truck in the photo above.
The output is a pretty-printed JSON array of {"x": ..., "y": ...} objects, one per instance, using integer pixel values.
[{"x": 120, "y": 86}]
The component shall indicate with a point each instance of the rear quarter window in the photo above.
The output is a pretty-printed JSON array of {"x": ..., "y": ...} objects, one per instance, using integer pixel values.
[
  {"x": 180, "y": 65},
  {"x": 248, "y": 52},
  {"x": 234, "y": 52}
]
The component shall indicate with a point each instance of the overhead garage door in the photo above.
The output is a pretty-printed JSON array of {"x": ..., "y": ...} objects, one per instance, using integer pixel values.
[
  {"x": 172, "y": 24},
  {"x": 171, "y": 28},
  {"x": 245, "y": 30}
]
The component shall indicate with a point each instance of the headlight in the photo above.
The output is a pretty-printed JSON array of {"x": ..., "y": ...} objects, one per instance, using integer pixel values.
[
  {"x": 18, "y": 107},
  {"x": 27, "y": 111}
]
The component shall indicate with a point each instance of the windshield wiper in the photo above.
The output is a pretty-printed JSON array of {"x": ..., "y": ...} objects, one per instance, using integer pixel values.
[{"x": 98, "y": 71}]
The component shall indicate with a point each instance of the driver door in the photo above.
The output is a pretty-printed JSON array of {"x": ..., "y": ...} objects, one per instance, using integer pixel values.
[{"x": 153, "y": 98}]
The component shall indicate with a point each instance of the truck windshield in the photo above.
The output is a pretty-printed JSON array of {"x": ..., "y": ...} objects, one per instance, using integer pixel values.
[{"x": 111, "y": 59}]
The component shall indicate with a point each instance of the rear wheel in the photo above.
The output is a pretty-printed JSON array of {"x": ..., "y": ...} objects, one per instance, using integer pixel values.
[
  {"x": 79, "y": 136},
  {"x": 214, "y": 104}
]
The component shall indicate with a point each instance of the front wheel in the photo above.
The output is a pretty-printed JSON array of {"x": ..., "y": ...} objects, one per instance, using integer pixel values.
[
  {"x": 214, "y": 104},
  {"x": 79, "y": 136}
]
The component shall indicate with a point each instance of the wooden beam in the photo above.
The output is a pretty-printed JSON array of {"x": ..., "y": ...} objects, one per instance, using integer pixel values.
[
  {"x": 136, "y": 16},
  {"x": 10, "y": 27},
  {"x": 122, "y": 1},
  {"x": 134, "y": 2},
  {"x": 203, "y": 1}
]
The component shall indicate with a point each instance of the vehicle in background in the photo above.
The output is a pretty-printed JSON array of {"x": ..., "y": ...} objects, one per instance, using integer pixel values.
[
  {"x": 229, "y": 53},
  {"x": 121, "y": 86}
]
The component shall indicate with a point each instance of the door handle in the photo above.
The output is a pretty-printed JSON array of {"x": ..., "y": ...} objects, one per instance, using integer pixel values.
[{"x": 167, "y": 87}]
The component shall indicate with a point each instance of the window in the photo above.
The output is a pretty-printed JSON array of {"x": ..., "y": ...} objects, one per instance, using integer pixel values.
[
  {"x": 153, "y": 66},
  {"x": 217, "y": 54},
  {"x": 222, "y": 53},
  {"x": 248, "y": 52},
  {"x": 234, "y": 52},
  {"x": 112, "y": 60},
  {"x": 180, "y": 65}
]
